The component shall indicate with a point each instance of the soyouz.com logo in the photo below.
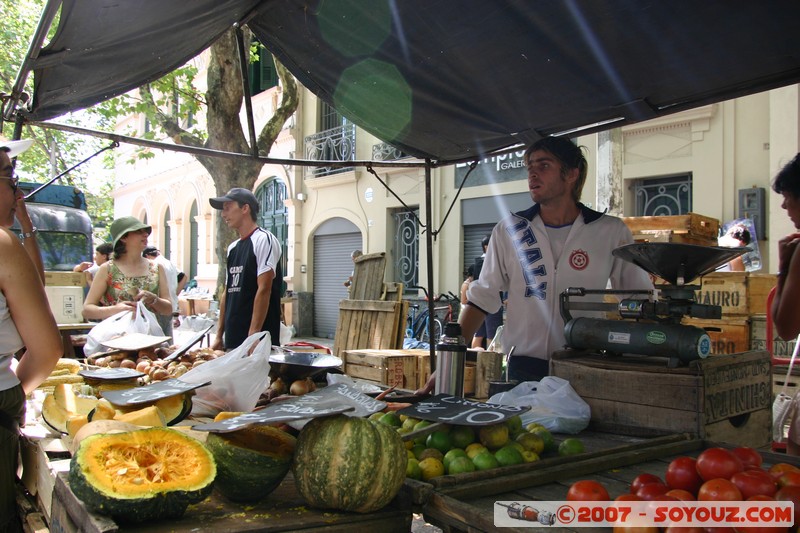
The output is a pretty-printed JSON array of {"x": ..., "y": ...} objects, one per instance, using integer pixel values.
[{"x": 643, "y": 514}]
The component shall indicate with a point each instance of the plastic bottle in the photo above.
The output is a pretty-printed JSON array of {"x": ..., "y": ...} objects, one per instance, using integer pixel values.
[{"x": 451, "y": 355}]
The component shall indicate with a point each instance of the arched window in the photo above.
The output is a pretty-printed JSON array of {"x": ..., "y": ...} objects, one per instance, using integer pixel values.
[
  {"x": 272, "y": 216},
  {"x": 193, "y": 241},
  {"x": 167, "y": 246}
]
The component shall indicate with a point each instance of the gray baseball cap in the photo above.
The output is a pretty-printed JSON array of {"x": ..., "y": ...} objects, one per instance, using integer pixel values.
[{"x": 237, "y": 194}]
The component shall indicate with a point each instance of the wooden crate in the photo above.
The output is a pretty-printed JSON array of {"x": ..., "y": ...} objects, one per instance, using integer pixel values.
[
  {"x": 667, "y": 235},
  {"x": 424, "y": 372},
  {"x": 727, "y": 398},
  {"x": 384, "y": 367},
  {"x": 42, "y": 459},
  {"x": 369, "y": 324},
  {"x": 733, "y": 335},
  {"x": 690, "y": 224},
  {"x": 758, "y": 287},
  {"x": 738, "y": 293},
  {"x": 758, "y": 338}
]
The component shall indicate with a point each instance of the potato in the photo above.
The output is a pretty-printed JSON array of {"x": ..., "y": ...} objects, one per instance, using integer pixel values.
[{"x": 127, "y": 363}]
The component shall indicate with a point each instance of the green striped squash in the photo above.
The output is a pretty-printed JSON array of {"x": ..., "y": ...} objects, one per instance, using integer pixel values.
[{"x": 348, "y": 463}]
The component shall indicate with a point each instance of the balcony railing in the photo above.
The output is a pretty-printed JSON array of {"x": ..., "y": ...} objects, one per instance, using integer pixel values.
[
  {"x": 336, "y": 144},
  {"x": 386, "y": 152}
]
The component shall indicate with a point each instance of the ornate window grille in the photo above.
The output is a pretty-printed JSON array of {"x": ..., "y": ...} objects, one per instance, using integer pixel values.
[
  {"x": 386, "y": 152},
  {"x": 406, "y": 248},
  {"x": 663, "y": 196},
  {"x": 336, "y": 144}
]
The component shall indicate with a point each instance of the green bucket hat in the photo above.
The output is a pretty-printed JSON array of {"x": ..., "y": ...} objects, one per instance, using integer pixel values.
[{"x": 124, "y": 225}]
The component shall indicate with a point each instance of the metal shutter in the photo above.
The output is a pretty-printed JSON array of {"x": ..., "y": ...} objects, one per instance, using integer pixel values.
[
  {"x": 473, "y": 235},
  {"x": 332, "y": 267}
]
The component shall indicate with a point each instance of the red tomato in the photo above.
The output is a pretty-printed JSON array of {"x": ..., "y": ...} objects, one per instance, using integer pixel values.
[
  {"x": 682, "y": 474},
  {"x": 790, "y": 494},
  {"x": 716, "y": 463},
  {"x": 635, "y": 529},
  {"x": 788, "y": 479},
  {"x": 748, "y": 456},
  {"x": 587, "y": 490},
  {"x": 681, "y": 495},
  {"x": 652, "y": 491},
  {"x": 761, "y": 498},
  {"x": 719, "y": 489},
  {"x": 627, "y": 497},
  {"x": 643, "y": 479},
  {"x": 778, "y": 469},
  {"x": 677, "y": 529},
  {"x": 753, "y": 482}
]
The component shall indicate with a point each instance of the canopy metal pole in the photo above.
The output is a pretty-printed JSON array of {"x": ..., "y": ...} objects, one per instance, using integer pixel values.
[
  {"x": 46, "y": 20},
  {"x": 429, "y": 261}
]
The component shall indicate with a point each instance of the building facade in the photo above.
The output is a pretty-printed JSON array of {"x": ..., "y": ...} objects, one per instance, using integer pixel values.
[{"x": 717, "y": 160}]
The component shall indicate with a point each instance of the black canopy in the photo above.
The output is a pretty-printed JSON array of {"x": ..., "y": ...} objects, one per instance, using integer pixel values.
[{"x": 446, "y": 79}]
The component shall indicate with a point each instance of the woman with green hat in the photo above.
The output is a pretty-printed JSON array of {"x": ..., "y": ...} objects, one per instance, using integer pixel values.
[{"x": 128, "y": 277}]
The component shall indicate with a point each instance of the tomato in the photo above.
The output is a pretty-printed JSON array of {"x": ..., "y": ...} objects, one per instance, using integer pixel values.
[
  {"x": 790, "y": 494},
  {"x": 635, "y": 529},
  {"x": 789, "y": 478},
  {"x": 778, "y": 469},
  {"x": 643, "y": 479},
  {"x": 748, "y": 456},
  {"x": 681, "y": 495},
  {"x": 587, "y": 491},
  {"x": 719, "y": 489},
  {"x": 678, "y": 529},
  {"x": 682, "y": 474},
  {"x": 753, "y": 482},
  {"x": 652, "y": 491},
  {"x": 716, "y": 463},
  {"x": 761, "y": 498}
]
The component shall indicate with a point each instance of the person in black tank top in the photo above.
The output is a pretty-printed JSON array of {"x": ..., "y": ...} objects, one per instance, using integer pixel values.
[{"x": 253, "y": 281}]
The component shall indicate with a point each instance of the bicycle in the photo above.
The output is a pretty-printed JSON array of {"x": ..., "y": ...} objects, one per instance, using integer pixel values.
[{"x": 418, "y": 323}]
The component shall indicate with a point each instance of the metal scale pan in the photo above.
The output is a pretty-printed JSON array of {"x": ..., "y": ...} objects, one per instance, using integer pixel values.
[{"x": 291, "y": 365}]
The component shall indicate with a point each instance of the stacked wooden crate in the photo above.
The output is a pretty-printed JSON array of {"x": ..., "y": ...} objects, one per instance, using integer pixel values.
[{"x": 690, "y": 228}]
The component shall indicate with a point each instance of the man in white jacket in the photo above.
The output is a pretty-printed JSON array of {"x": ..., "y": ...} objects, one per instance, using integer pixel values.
[{"x": 536, "y": 254}]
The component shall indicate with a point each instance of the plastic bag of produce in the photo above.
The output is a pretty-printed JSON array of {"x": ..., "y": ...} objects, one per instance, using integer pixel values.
[
  {"x": 142, "y": 321},
  {"x": 553, "y": 402},
  {"x": 237, "y": 378}
]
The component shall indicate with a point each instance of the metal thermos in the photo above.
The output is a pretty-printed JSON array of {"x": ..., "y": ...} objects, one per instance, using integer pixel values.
[{"x": 451, "y": 356}]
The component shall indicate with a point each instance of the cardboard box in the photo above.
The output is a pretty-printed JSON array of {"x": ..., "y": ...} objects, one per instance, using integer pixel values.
[
  {"x": 66, "y": 303},
  {"x": 64, "y": 279},
  {"x": 725, "y": 399},
  {"x": 728, "y": 335},
  {"x": 384, "y": 367}
]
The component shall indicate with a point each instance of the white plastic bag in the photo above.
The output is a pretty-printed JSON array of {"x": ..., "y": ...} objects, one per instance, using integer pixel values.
[
  {"x": 286, "y": 334},
  {"x": 145, "y": 322},
  {"x": 141, "y": 321},
  {"x": 237, "y": 379},
  {"x": 554, "y": 404}
]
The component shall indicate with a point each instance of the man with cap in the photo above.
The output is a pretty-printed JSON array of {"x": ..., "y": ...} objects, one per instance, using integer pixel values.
[
  {"x": 8, "y": 151},
  {"x": 252, "y": 297}
]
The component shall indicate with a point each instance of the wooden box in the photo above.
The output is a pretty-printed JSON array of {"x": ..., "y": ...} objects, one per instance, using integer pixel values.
[
  {"x": 369, "y": 325},
  {"x": 726, "y": 398},
  {"x": 42, "y": 460},
  {"x": 667, "y": 235},
  {"x": 738, "y": 293},
  {"x": 733, "y": 335},
  {"x": 690, "y": 224},
  {"x": 424, "y": 372},
  {"x": 758, "y": 338},
  {"x": 397, "y": 368},
  {"x": 758, "y": 287}
]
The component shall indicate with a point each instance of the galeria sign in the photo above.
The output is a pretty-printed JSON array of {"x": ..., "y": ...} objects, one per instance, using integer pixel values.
[{"x": 457, "y": 410}]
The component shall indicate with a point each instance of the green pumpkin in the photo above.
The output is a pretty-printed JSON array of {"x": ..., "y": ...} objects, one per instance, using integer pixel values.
[
  {"x": 252, "y": 462},
  {"x": 349, "y": 463},
  {"x": 137, "y": 476}
]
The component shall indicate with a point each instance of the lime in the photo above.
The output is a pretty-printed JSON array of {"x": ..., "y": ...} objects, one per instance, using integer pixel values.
[
  {"x": 529, "y": 457},
  {"x": 431, "y": 468},
  {"x": 514, "y": 424},
  {"x": 462, "y": 436},
  {"x": 494, "y": 437},
  {"x": 440, "y": 440},
  {"x": 460, "y": 465},
  {"x": 408, "y": 443},
  {"x": 418, "y": 449},
  {"x": 508, "y": 455},
  {"x": 453, "y": 454},
  {"x": 391, "y": 419},
  {"x": 431, "y": 452},
  {"x": 474, "y": 449},
  {"x": 409, "y": 423},
  {"x": 376, "y": 416},
  {"x": 413, "y": 470},
  {"x": 549, "y": 442},
  {"x": 410, "y": 454},
  {"x": 531, "y": 441},
  {"x": 419, "y": 425},
  {"x": 533, "y": 426},
  {"x": 485, "y": 460},
  {"x": 570, "y": 446}
]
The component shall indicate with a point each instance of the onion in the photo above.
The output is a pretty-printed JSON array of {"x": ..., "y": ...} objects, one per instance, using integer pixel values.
[
  {"x": 302, "y": 386},
  {"x": 279, "y": 386}
]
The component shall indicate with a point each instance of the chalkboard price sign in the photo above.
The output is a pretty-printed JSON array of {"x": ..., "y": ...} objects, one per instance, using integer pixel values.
[
  {"x": 150, "y": 393},
  {"x": 330, "y": 400},
  {"x": 456, "y": 410},
  {"x": 110, "y": 374}
]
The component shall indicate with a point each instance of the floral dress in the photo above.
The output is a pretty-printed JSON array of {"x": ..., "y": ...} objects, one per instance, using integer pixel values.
[{"x": 122, "y": 288}]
